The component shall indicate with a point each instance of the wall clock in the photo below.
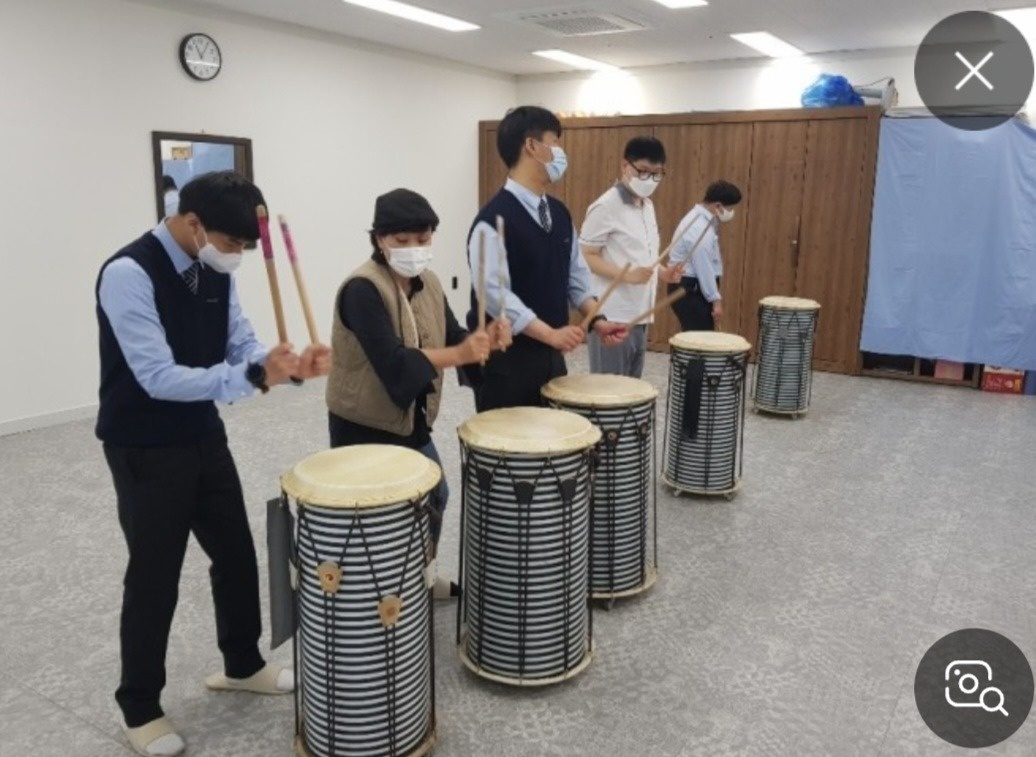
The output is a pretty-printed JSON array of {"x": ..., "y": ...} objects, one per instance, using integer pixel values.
[{"x": 200, "y": 57}]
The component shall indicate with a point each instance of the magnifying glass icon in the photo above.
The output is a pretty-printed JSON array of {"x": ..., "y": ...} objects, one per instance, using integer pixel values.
[{"x": 999, "y": 706}]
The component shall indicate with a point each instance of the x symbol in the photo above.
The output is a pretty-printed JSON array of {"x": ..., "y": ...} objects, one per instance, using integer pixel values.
[{"x": 974, "y": 70}]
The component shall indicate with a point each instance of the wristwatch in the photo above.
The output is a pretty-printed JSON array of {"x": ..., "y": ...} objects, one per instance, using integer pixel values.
[
  {"x": 595, "y": 319},
  {"x": 256, "y": 375}
]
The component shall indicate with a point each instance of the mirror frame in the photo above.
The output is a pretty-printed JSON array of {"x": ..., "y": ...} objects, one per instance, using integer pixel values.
[{"x": 157, "y": 137}]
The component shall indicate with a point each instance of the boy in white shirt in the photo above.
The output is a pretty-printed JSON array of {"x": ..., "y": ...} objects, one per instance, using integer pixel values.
[{"x": 621, "y": 228}]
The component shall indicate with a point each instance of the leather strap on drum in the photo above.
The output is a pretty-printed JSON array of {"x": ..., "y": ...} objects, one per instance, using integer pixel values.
[{"x": 694, "y": 382}]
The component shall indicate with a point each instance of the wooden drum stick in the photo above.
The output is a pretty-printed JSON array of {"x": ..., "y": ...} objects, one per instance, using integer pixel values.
[
  {"x": 307, "y": 311},
  {"x": 659, "y": 307},
  {"x": 501, "y": 261},
  {"x": 481, "y": 290},
  {"x": 271, "y": 272},
  {"x": 604, "y": 297},
  {"x": 679, "y": 236}
]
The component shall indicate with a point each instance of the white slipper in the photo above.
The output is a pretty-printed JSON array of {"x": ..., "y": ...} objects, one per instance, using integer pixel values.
[
  {"x": 272, "y": 679},
  {"x": 155, "y": 739},
  {"x": 445, "y": 589}
]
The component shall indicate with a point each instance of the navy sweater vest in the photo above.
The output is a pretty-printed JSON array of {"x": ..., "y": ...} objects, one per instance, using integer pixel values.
[
  {"x": 539, "y": 261},
  {"x": 196, "y": 328}
]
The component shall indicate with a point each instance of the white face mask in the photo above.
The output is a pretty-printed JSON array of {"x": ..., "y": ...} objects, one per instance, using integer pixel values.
[
  {"x": 408, "y": 261},
  {"x": 726, "y": 215},
  {"x": 223, "y": 262},
  {"x": 643, "y": 187}
]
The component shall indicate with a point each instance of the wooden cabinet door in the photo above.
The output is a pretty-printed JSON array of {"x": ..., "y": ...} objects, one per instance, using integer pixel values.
[
  {"x": 771, "y": 239},
  {"x": 833, "y": 244},
  {"x": 492, "y": 171}
]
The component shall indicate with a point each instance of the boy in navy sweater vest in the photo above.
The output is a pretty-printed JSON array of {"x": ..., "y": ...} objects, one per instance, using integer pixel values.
[
  {"x": 173, "y": 342},
  {"x": 543, "y": 272}
]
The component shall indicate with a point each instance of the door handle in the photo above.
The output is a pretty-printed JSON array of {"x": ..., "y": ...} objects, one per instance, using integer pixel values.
[{"x": 795, "y": 242}]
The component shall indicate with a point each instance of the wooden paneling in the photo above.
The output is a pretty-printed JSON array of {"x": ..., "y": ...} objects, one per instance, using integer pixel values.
[
  {"x": 492, "y": 171},
  {"x": 818, "y": 165},
  {"x": 775, "y": 192},
  {"x": 832, "y": 202}
]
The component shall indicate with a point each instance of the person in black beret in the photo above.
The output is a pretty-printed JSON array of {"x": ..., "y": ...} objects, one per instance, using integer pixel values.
[{"x": 392, "y": 336}]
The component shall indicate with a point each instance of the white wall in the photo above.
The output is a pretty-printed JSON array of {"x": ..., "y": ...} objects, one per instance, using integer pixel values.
[
  {"x": 333, "y": 124},
  {"x": 731, "y": 85}
]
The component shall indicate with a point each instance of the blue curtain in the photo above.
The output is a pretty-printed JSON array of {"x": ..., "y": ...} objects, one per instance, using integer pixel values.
[{"x": 953, "y": 244}]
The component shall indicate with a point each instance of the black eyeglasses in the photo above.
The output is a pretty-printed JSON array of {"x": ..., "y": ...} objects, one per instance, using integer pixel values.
[{"x": 645, "y": 175}]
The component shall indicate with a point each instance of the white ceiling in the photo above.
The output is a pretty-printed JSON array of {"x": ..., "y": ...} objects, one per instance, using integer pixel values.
[{"x": 674, "y": 36}]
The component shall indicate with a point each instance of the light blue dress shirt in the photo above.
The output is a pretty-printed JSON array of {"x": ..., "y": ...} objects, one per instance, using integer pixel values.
[
  {"x": 706, "y": 265},
  {"x": 518, "y": 313},
  {"x": 127, "y": 297}
]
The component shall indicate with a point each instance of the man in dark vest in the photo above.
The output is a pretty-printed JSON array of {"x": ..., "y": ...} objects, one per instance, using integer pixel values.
[
  {"x": 174, "y": 342},
  {"x": 543, "y": 272}
]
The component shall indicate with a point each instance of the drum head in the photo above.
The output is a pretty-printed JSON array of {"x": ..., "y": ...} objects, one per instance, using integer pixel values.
[
  {"x": 599, "y": 390},
  {"x": 529, "y": 431},
  {"x": 710, "y": 341},
  {"x": 789, "y": 303},
  {"x": 364, "y": 475}
]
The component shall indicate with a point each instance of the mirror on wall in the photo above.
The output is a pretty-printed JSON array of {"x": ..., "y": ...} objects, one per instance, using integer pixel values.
[{"x": 179, "y": 157}]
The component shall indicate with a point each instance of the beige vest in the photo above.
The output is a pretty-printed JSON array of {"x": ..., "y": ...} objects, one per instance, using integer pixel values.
[{"x": 354, "y": 391}]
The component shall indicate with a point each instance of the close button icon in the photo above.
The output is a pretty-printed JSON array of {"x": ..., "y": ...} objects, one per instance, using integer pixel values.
[
  {"x": 974, "y": 70},
  {"x": 974, "y": 64}
]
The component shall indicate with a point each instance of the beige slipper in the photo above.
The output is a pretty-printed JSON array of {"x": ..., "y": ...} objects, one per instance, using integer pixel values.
[
  {"x": 155, "y": 739},
  {"x": 273, "y": 679}
]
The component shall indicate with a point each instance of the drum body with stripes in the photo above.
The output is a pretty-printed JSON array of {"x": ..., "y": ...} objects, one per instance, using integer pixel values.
[
  {"x": 706, "y": 412},
  {"x": 523, "y": 618},
  {"x": 624, "y": 524},
  {"x": 365, "y": 648},
  {"x": 784, "y": 367}
]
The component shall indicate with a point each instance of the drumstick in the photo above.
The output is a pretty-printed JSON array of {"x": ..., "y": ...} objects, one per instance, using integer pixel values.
[
  {"x": 482, "y": 284},
  {"x": 501, "y": 260},
  {"x": 307, "y": 311},
  {"x": 660, "y": 306},
  {"x": 678, "y": 236},
  {"x": 604, "y": 297},
  {"x": 271, "y": 272}
]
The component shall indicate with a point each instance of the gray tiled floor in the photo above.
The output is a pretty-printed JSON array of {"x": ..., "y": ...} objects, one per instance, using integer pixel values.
[{"x": 788, "y": 622}]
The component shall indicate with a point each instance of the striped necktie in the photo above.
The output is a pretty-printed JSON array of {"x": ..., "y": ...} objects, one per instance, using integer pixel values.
[
  {"x": 545, "y": 221},
  {"x": 190, "y": 276}
]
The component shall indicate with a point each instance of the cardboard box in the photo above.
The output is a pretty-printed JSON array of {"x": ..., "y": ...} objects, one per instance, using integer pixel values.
[
  {"x": 949, "y": 370},
  {"x": 1002, "y": 380}
]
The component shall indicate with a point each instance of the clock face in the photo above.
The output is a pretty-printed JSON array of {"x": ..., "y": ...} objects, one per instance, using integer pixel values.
[{"x": 200, "y": 56}]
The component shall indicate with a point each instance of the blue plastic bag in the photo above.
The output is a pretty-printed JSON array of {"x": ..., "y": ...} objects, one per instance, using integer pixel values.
[{"x": 830, "y": 91}]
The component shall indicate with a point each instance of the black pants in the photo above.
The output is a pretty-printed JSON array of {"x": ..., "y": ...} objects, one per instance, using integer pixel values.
[
  {"x": 693, "y": 311},
  {"x": 164, "y": 494},
  {"x": 514, "y": 378}
]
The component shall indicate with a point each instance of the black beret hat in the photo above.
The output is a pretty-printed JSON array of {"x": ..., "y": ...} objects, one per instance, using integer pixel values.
[{"x": 403, "y": 210}]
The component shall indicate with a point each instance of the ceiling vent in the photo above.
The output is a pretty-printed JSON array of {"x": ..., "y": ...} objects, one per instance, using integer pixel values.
[{"x": 577, "y": 22}]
